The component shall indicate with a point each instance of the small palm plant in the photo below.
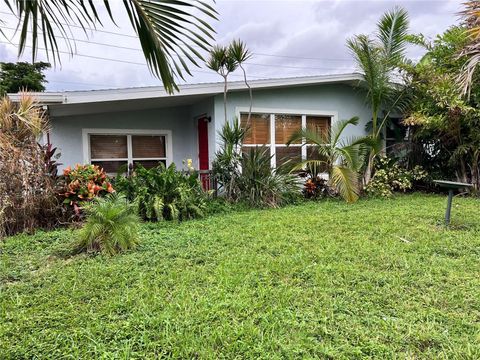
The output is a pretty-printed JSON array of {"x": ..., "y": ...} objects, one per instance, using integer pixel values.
[
  {"x": 341, "y": 158},
  {"x": 112, "y": 226}
]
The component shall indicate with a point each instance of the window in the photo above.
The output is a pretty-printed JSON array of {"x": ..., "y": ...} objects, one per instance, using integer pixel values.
[
  {"x": 321, "y": 126},
  {"x": 258, "y": 133},
  {"x": 285, "y": 126},
  {"x": 114, "y": 151},
  {"x": 275, "y": 130}
]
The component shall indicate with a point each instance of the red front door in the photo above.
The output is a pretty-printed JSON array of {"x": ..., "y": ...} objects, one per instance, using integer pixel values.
[{"x": 203, "y": 151}]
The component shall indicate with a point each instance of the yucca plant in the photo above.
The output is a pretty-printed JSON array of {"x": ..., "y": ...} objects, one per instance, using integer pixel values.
[
  {"x": 111, "y": 226},
  {"x": 341, "y": 158},
  {"x": 260, "y": 185},
  {"x": 226, "y": 166}
]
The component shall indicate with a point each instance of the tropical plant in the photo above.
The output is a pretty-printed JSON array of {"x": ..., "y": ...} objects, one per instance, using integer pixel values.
[
  {"x": 226, "y": 166},
  {"x": 391, "y": 177},
  {"x": 162, "y": 193},
  {"x": 470, "y": 51},
  {"x": 168, "y": 30},
  {"x": 443, "y": 123},
  {"x": 379, "y": 58},
  {"x": 84, "y": 183},
  {"x": 222, "y": 62},
  {"x": 226, "y": 59},
  {"x": 111, "y": 226},
  {"x": 27, "y": 194},
  {"x": 259, "y": 185},
  {"x": 341, "y": 158},
  {"x": 240, "y": 53},
  {"x": 22, "y": 76},
  {"x": 247, "y": 176}
]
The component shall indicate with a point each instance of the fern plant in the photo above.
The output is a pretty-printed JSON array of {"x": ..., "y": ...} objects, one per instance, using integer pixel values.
[
  {"x": 164, "y": 193},
  {"x": 111, "y": 226}
]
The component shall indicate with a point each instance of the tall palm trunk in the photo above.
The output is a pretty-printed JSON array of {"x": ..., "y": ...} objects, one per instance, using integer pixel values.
[{"x": 369, "y": 170}]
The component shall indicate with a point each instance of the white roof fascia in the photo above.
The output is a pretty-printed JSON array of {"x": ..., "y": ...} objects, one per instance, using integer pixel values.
[{"x": 79, "y": 97}]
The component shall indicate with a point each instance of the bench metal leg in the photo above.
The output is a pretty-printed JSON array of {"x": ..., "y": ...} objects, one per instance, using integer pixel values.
[{"x": 449, "y": 207}]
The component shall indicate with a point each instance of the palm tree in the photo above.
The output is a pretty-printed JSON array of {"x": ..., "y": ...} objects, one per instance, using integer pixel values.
[
  {"x": 341, "y": 159},
  {"x": 222, "y": 62},
  {"x": 471, "y": 16},
  {"x": 378, "y": 59},
  {"x": 168, "y": 30},
  {"x": 240, "y": 53}
]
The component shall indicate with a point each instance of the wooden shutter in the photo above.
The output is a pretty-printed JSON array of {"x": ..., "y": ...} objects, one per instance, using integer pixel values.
[
  {"x": 148, "y": 146},
  {"x": 284, "y": 153},
  {"x": 285, "y": 127},
  {"x": 259, "y": 129},
  {"x": 108, "y": 146},
  {"x": 319, "y": 125}
]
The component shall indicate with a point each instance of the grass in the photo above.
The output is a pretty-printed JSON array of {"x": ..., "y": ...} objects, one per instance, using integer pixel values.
[{"x": 377, "y": 279}]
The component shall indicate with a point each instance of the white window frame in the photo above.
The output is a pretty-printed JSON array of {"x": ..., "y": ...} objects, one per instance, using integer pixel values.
[
  {"x": 128, "y": 133},
  {"x": 333, "y": 115}
]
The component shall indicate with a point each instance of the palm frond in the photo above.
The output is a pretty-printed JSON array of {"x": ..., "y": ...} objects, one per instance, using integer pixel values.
[
  {"x": 340, "y": 126},
  {"x": 346, "y": 182},
  {"x": 366, "y": 54},
  {"x": 392, "y": 32},
  {"x": 167, "y": 29}
]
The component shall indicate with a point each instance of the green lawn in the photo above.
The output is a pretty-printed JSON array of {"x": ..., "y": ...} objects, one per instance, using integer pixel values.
[{"x": 377, "y": 279}]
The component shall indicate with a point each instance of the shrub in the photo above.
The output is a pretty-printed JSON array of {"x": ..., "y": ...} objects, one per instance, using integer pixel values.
[
  {"x": 316, "y": 188},
  {"x": 248, "y": 177},
  {"x": 226, "y": 166},
  {"x": 390, "y": 177},
  {"x": 259, "y": 185},
  {"x": 27, "y": 190},
  {"x": 162, "y": 193},
  {"x": 111, "y": 226},
  {"x": 84, "y": 183}
]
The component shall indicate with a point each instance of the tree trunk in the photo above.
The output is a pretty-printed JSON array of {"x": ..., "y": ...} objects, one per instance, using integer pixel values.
[
  {"x": 225, "y": 97},
  {"x": 250, "y": 93}
]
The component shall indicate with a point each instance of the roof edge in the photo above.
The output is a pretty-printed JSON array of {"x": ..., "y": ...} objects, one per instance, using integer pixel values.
[{"x": 78, "y": 97}]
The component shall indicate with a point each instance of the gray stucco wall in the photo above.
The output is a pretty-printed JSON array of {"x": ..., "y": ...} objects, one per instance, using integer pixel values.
[
  {"x": 346, "y": 100},
  {"x": 66, "y": 132}
]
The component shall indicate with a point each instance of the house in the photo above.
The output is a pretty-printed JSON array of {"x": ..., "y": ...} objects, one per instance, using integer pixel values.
[{"x": 146, "y": 125}]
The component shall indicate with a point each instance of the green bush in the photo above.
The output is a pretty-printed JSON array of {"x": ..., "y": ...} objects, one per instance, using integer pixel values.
[
  {"x": 162, "y": 193},
  {"x": 259, "y": 185},
  {"x": 247, "y": 177},
  {"x": 111, "y": 226},
  {"x": 390, "y": 177}
]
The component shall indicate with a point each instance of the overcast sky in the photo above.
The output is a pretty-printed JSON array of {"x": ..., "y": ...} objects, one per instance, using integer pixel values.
[{"x": 287, "y": 37}]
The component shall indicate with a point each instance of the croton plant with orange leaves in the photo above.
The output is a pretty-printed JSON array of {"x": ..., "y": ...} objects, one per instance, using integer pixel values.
[{"x": 83, "y": 183}]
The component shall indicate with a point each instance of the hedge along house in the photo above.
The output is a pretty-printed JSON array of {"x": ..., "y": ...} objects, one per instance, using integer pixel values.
[{"x": 119, "y": 127}]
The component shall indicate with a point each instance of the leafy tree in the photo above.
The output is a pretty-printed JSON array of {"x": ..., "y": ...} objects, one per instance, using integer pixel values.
[
  {"x": 168, "y": 30},
  {"x": 341, "y": 159},
  {"x": 15, "y": 77},
  {"x": 444, "y": 124},
  {"x": 379, "y": 58}
]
